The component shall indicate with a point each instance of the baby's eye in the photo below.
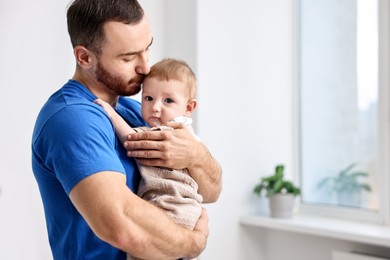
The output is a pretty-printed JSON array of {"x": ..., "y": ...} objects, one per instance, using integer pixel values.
[
  {"x": 168, "y": 100},
  {"x": 148, "y": 98}
]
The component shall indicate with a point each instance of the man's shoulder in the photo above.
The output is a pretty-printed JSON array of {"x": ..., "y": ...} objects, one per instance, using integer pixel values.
[
  {"x": 71, "y": 93},
  {"x": 68, "y": 108}
]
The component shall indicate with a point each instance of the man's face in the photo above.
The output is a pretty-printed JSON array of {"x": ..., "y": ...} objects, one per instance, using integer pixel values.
[
  {"x": 119, "y": 85},
  {"x": 123, "y": 61}
]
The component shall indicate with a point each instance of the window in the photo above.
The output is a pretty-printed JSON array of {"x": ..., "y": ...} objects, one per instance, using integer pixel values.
[{"x": 343, "y": 107}]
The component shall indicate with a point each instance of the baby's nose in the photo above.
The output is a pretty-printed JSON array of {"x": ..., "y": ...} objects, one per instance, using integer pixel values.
[{"x": 156, "y": 106}]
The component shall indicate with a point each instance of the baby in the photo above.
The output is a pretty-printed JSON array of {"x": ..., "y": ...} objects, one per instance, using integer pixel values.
[{"x": 168, "y": 94}]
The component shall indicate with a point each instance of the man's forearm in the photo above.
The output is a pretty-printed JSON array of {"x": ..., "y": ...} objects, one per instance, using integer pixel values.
[
  {"x": 159, "y": 237},
  {"x": 122, "y": 219},
  {"x": 207, "y": 172}
]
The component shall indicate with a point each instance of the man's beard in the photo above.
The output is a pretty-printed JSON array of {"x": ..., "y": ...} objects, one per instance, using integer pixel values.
[{"x": 116, "y": 84}]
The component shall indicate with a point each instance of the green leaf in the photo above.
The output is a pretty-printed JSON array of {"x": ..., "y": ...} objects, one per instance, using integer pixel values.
[{"x": 275, "y": 184}]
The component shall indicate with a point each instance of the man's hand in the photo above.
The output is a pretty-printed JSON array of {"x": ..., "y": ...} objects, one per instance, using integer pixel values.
[
  {"x": 178, "y": 149},
  {"x": 202, "y": 227},
  {"x": 202, "y": 232},
  {"x": 171, "y": 149}
]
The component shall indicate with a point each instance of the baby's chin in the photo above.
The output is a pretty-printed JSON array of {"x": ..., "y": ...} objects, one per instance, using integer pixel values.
[{"x": 154, "y": 122}]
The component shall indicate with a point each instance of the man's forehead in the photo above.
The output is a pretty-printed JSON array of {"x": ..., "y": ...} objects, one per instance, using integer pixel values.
[{"x": 134, "y": 36}]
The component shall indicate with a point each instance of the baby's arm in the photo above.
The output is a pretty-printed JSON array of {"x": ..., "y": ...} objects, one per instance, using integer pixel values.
[{"x": 122, "y": 129}]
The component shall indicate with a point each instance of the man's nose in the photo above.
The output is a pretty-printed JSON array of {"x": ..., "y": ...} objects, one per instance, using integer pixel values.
[{"x": 142, "y": 66}]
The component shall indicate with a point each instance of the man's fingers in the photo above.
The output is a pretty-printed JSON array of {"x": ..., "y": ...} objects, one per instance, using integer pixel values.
[
  {"x": 147, "y": 147},
  {"x": 202, "y": 224},
  {"x": 141, "y": 154},
  {"x": 151, "y": 162},
  {"x": 147, "y": 154},
  {"x": 149, "y": 135}
]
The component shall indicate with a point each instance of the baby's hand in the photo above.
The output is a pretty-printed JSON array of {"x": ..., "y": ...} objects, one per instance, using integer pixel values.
[{"x": 107, "y": 107}]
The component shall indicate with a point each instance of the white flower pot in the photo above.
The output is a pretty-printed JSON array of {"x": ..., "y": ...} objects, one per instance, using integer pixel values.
[{"x": 282, "y": 205}]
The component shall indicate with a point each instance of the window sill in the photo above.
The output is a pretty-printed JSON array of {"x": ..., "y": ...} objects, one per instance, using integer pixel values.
[{"x": 367, "y": 233}]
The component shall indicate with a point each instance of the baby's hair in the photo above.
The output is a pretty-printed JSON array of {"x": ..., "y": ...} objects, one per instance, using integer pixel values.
[{"x": 173, "y": 69}]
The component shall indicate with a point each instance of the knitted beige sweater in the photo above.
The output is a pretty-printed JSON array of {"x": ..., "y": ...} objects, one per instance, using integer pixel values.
[{"x": 172, "y": 190}]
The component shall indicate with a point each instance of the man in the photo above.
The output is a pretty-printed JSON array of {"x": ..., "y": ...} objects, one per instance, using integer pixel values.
[{"x": 86, "y": 180}]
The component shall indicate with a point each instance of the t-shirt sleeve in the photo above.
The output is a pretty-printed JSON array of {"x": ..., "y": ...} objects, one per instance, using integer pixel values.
[{"x": 80, "y": 141}]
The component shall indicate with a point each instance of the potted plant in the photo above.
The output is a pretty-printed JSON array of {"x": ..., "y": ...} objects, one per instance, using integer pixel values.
[
  {"x": 346, "y": 185},
  {"x": 281, "y": 193}
]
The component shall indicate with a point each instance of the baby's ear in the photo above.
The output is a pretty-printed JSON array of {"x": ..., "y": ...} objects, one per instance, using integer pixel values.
[{"x": 191, "y": 105}]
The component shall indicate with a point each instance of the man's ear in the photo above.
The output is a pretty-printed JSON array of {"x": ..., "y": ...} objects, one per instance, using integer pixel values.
[
  {"x": 83, "y": 56},
  {"x": 191, "y": 105}
]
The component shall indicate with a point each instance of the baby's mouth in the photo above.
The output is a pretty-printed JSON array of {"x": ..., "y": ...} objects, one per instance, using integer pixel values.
[{"x": 154, "y": 121}]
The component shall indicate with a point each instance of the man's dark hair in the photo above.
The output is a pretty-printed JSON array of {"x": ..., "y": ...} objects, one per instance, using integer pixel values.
[{"x": 86, "y": 19}]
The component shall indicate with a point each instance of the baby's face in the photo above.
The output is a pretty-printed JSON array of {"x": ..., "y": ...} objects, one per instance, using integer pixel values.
[{"x": 162, "y": 101}]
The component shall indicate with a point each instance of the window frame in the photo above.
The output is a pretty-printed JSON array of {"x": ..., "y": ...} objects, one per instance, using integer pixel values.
[{"x": 382, "y": 216}]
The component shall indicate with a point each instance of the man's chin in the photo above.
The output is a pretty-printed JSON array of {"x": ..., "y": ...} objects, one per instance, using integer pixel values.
[{"x": 134, "y": 90}]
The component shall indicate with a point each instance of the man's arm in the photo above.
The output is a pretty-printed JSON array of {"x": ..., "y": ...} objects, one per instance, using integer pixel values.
[
  {"x": 178, "y": 150},
  {"x": 124, "y": 220},
  {"x": 207, "y": 173}
]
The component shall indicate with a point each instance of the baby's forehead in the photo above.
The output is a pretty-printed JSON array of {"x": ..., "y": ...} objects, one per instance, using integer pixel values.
[
  {"x": 157, "y": 83},
  {"x": 154, "y": 86},
  {"x": 161, "y": 79}
]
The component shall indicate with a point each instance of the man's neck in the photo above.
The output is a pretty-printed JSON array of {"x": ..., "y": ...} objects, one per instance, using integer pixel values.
[{"x": 98, "y": 89}]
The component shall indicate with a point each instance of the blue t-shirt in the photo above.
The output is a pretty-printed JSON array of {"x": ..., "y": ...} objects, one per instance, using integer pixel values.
[{"x": 73, "y": 138}]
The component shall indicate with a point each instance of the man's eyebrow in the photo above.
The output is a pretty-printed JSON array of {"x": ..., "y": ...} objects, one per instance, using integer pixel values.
[{"x": 136, "y": 52}]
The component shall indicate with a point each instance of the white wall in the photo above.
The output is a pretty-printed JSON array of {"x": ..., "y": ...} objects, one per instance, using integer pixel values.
[
  {"x": 246, "y": 116},
  {"x": 245, "y": 71},
  {"x": 35, "y": 60},
  {"x": 243, "y": 55}
]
